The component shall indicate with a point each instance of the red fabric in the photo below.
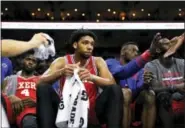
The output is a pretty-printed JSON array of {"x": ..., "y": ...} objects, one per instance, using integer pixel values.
[
  {"x": 178, "y": 107},
  {"x": 26, "y": 87},
  {"x": 146, "y": 55},
  {"x": 25, "y": 112}
]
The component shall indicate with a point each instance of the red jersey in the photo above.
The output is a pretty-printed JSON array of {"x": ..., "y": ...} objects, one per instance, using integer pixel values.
[
  {"x": 90, "y": 87},
  {"x": 26, "y": 87}
]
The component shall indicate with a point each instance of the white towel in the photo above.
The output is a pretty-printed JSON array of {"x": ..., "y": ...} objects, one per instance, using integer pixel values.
[
  {"x": 4, "y": 119},
  {"x": 74, "y": 105},
  {"x": 43, "y": 52}
]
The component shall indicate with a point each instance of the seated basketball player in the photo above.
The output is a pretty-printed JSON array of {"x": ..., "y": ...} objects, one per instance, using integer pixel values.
[
  {"x": 167, "y": 80},
  {"x": 10, "y": 47},
  {"x": 21, "y": 91},
  {"x": 105, "y": 108},
  {"x": 128, "y": 73}
]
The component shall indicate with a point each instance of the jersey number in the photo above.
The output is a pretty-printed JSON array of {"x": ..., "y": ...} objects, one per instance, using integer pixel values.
[{"x": 25, "y": 92}]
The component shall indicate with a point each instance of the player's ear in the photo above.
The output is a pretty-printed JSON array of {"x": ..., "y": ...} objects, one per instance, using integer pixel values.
[{"x": 75, "y": 45}]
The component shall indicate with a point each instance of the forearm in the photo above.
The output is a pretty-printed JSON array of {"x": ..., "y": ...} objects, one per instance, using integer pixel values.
[
  {"x": 101, "y": 81},
  {"x": 50, "y": 78},
  {"x": 14, "y": 47}
]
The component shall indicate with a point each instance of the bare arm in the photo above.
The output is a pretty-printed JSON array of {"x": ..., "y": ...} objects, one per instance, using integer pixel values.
[
  {"x": 104, "y": 77},
  {"x": 4, "y": 84},
  {"x": 54, "y": 72},
  {"x": 14, "y": 47}
]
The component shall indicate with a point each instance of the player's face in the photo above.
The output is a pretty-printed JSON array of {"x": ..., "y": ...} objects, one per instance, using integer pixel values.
[
  {"x": 85, "y": 46},
  {"x": 165, "y": 44},
  {"x": 29, "y": 63},
  {"x": 130, "y": 52}
]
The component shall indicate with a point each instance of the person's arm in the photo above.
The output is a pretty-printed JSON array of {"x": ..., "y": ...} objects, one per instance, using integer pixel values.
[
  {"x": 14, "y": 47},
  {"x": 104, "y": 77},
  {"x": 54, "y": 72},
  {"x": 177, "y": 42},
  {"x": 125, "y": 71}
]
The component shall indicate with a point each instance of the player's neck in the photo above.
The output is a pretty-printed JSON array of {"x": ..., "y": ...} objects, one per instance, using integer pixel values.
[
  {"x": 78, "y": 58},
  {"x": 26, "y": 74}
]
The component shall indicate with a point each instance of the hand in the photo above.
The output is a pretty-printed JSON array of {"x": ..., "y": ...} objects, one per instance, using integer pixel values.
[
  {"x": 38, "y": 39},
  {"x": 148, "y": 77},
  {"x": 85, "y": 75},
  {"x": 69, "y": 69},
  {"x": 155, "y": 44},
  {"x": 29, "y": 102},
  {"x": 17, "y": 104},
  {"x": 176, "y": 43}
]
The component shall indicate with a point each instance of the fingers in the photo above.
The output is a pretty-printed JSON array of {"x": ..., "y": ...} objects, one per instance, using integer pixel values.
[
  {"x": 18, "y": 107},
  {"x": 169, "y": 53},
  {"x": 84, "y": 74},
  {"x": 29, "y": 102},
  {"x": 78, "y": 64},
  {"x": 157, "y": 37},
  {"x": 39, "y": 39},
  {"x": 148, "y": 77},
  {"x": 69, "y": 69},
  {"x": 174, "y": 48}
]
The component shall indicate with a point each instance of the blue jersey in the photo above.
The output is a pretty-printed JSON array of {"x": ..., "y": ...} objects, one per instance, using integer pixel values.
[
  {"x": 128, "y": 75},
  {"x": 6, "y": 67}
]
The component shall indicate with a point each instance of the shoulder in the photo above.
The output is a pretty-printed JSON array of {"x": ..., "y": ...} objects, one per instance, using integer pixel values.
[
  {"x": 99, "y": 61},
  {"x": 152, "y": 63},
  {"x": 11, "y": 77},
  {"x": 98, "y": 58},
  {"x": 179, "y": 61},
  {"x": 59, "y": 62}
]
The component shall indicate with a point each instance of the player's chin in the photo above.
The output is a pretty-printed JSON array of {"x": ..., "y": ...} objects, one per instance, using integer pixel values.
[{"x": 88, "y": 54}]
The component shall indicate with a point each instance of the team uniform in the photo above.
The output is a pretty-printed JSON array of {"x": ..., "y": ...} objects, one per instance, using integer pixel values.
[
  {"x": 22, "y": 88},
  {"x": 90, "y": 87},
  {"x": 101, "y": 109}
]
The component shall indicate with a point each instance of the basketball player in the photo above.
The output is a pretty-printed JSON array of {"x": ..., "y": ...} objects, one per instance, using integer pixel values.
[
  {"x": 21, "y": 91},
  {"x": 105, "y": 108},
  {"x": 166, "y": 79},
  {"x": 13, "y": 48},
  {"x": 128, "y": 73}
]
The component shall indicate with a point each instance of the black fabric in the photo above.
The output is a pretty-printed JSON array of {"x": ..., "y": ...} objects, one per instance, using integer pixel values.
[
  {"x": 47, "y": 106},
  {"x": 164, "y": 99},
  {"x": 29, "y": 121},
  {"x": 109, "y": 107},
  {"x": 164, "y": 109}
]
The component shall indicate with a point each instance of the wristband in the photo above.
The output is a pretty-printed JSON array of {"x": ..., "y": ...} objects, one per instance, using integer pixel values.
[{"x": 146, "y": 55}]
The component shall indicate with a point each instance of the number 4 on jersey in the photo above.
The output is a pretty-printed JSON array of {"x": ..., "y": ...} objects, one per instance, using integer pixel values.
[{"x": 25, "y": 92}]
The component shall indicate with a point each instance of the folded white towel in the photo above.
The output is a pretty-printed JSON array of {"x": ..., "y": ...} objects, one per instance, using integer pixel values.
[
  {"x": 74, "y": 105},
  {"x": 43, "y": 52}
]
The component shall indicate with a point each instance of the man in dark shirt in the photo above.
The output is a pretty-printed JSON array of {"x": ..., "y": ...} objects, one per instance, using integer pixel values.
[{"x": 167, "y": 82}]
